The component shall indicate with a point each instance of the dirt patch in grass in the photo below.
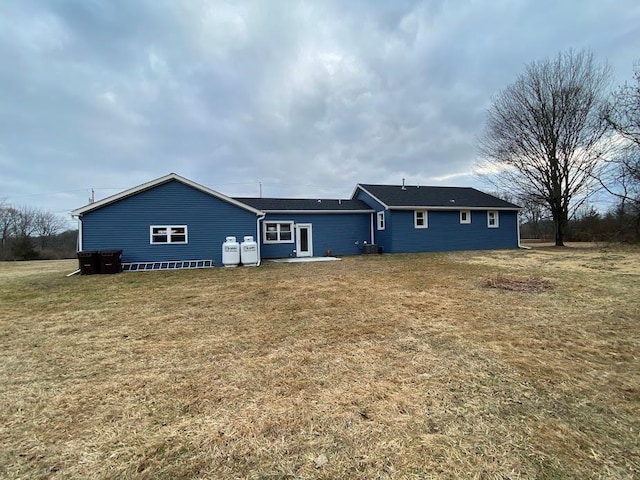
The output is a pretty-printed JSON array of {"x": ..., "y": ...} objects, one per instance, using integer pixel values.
[
  {"x": 515, "y": 284},
  {"x": 392, "y": 366}
]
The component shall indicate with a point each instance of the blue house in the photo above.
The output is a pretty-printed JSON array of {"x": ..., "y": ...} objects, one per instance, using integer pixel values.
[
  {"x": 174, "y": 220},
  {"x": 165, "y": 220},
  {"x": 427, "y": 219}
]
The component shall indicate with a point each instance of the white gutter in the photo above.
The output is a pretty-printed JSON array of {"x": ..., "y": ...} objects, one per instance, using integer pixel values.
[
  {"x": 258, "y": 236},
  {"x": 317, "y": 211}
]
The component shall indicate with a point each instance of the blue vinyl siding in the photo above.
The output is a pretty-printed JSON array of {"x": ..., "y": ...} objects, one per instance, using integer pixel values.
[
  {"x": 125, "y": 224},
  {"x": 445, "y": 232},
  {"x": 381, "y": 237},
  {"x": 337, "y": 232}
]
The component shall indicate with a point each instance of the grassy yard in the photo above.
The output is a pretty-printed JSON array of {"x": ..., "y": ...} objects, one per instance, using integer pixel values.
[{"x": 392, "y": 366}]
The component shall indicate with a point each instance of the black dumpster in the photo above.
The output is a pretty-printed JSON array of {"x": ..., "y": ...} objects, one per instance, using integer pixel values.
[
  {"x": 110, "y": 261},
  {"x": 89, "y": 262}
]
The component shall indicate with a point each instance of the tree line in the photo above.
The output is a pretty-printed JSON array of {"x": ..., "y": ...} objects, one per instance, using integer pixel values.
[
  {"x": 28, "y": 233},
  {"x": 557, "y": 136},
  {"x": 587, "y": 224}
]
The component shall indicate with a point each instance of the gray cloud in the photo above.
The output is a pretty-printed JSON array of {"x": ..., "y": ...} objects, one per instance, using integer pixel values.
[{"x": 307, "y": 97}]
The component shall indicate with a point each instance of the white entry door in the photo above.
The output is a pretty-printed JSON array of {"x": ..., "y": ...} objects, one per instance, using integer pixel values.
[{"x": 304, "y": 240}]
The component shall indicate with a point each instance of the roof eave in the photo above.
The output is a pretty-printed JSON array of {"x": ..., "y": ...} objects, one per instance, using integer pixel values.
[
  {"x": 318, "y": 211},
  {"x": 457, "y": 207}
]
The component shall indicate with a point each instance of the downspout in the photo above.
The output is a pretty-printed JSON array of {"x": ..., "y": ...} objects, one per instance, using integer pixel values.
[
  {"x": 258, "y": 236},
  {"x": 518, "y": 223},
  {"x": 373, "y": 240},
  {"x": 79, "y": 242}
]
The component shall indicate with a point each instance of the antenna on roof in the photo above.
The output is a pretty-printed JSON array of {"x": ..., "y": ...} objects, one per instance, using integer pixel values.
[
  {"x": 92, "y": 198},
  {"x": 403, "y": 187},
  {"x": 260, "y": 183}
]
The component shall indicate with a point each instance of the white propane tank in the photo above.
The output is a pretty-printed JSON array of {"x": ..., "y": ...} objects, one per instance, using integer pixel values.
[
  {"x": 249, "y": 252},
  {"x": 230, "y": 252}
]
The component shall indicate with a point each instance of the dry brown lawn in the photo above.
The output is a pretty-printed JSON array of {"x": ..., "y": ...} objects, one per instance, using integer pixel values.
[{"x": 393, "y": 366}]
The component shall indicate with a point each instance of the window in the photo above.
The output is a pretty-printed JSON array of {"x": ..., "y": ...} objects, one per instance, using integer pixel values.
[
  {"x": 465, "y": 216},
  {"x": 381, "y": 220},
  {"x": 420, "y": 219},
  {"x": 161, "y": 234},
  {"x": 278, "y": 232},
  {"x": 492, "y": 219}
]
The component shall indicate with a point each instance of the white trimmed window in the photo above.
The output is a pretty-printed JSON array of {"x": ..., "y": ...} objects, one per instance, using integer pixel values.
[
  {"x": 465, "y": 216},
  {"x": 277, "y": 232},
  {"x": 493, "y": 220},
  {"x": 380, "y": 217},
  {"x": 420, "y": 219},
  {"x": 163, "y": 234}
]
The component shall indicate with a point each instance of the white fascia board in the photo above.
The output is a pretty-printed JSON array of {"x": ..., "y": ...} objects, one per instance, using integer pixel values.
[
  {"x": 318, "y": 211},
  {"x": 457, "y": 207},
  {"x": 358, "y": 186},
  {"x": 159, "y": 181}
]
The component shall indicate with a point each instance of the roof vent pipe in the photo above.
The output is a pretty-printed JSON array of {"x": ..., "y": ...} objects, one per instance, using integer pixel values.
[{"x": 403, "y": 187}]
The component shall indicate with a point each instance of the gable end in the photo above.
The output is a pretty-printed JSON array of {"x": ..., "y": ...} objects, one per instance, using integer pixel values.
[{"x": 154, "y": 183}]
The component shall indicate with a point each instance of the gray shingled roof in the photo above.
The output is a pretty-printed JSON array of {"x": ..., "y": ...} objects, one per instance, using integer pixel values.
[
  {"x": 414, "y": 196},
  {"x": 266, "y": 204}
]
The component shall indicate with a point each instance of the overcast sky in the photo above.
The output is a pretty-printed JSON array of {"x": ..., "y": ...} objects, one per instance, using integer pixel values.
[{"x": 308, "y": 98}]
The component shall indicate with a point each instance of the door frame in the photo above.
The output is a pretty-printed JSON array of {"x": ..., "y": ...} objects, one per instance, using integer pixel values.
[{"x": 309, "y": 228}]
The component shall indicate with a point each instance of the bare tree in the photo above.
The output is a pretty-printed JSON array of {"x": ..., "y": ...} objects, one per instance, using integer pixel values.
[
  {"x": 5, "y": 223},
  {"x": 543, "y": 134},
  {"x": 45, "y": 225},
  {"x": 532, "y": 213},
  {"x": 17, "y": 228},
  {"x": 21, "y": 226},
  {"x": 622, "y": 115},
  {"x": 623, "y": 112},
  {"x": 23, "y": 220}
]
